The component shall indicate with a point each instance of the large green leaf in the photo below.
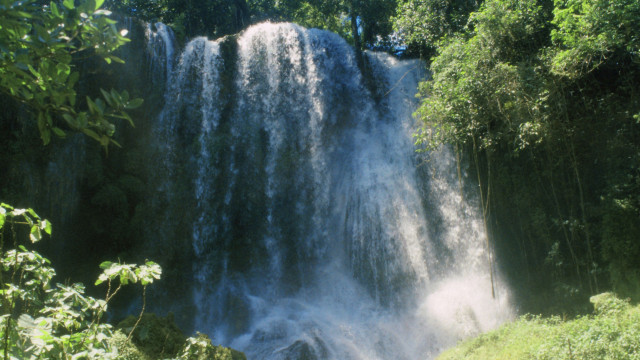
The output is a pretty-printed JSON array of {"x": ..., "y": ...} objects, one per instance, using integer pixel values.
[{"x": 36, "y": 234}]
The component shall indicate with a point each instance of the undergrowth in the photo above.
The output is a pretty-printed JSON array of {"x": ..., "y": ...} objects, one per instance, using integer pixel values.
[
  {"x": 40, "y": 319},
  {"x": 612, "y": 332}
]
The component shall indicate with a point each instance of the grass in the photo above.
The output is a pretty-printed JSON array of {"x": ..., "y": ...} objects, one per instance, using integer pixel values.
[{"x": 611, "y": 333}]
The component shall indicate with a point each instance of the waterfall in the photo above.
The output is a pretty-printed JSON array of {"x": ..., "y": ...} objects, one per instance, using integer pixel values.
[
  {"x": 317, "y": 230},
  {"x": 160, "y": 49}
]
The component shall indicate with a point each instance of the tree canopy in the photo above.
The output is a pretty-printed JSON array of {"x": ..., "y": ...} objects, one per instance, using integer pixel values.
[
  {"x": 363, "y": 23},
  {"x": 544, "y": 97},
  {"x": 38, "y": 46},
  {"x": 422, "y": 23}
]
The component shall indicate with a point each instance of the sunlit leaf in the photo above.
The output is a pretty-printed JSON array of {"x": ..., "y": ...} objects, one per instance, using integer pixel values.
[
  {"x": 46, "y": 226},
  {"x": 35, "y": 234},
  {"x": 6, "y": 206},
  {"x": 114, "y": 58},
  {"x": 54, "y": 9},
  {"x": 102, "y": 12},
  {"x": 105, "y": 264},
  {"x": 18, "y": 212}
]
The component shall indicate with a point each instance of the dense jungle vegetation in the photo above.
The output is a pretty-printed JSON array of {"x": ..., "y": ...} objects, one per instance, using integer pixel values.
[
  {"x": 539, "y": 98},
  {"x": 542, "y": 99}
]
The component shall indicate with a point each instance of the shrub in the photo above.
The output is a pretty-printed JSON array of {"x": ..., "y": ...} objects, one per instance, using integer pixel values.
[{"x": 42, "y": 320}]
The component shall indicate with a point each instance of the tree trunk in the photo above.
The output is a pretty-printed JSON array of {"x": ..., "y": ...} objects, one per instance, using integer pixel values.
[
  {"x": 485, "y": 209},
  {"x": 242, "y": 14},
  {"x": 587, "y": 233},
  {"x": 356, "y": 36}
]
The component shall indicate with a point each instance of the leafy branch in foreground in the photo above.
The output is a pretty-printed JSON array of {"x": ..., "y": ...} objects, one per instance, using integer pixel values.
[
  {"x": 38, "y": 47},
  {"x": 126, "y": 273},
  {"x": 41, "y": 320}
]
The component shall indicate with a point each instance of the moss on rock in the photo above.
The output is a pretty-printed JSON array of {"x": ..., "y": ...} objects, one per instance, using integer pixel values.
[
  {"x": 157, "y": 337},
  {"x": 126, "y": 349},
  {"x": 201, "y": 348}
]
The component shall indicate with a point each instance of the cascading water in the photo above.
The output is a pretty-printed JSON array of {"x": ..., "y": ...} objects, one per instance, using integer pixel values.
[
  {"x": 317, "y": 231},
  {"x": 160, "y": 46}
]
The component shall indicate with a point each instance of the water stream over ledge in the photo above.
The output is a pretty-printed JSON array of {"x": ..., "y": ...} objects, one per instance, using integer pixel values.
[{"x": 317, "y": 230}]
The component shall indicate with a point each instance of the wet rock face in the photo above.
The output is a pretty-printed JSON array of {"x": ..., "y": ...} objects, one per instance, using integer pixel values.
[{"x": 300, "y": 350}]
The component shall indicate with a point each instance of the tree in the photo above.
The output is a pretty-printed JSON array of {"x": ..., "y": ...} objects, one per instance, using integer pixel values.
[
  {"x": 593, "y": 34},
  {"x": 543, "y": 95},
  {"x": 422, "y": 23},
  {"x": 596, "y": 55},
  {"x": 39, "y": 44},
  {"x": 148, "y": 10},
  {"x": 363, "y": 23},
  {"x": 190, "y": 18}
]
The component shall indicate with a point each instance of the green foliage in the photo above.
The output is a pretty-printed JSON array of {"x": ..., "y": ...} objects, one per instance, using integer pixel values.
[
  {"x": 25, "y": 217},
  {"x": 373, "y": 18},
  {"x": 217, "y": 18},
  {"x": 541, "y": 96},
  {"x": 127, "y": 350},
  {"x": 486, "y": 78},
  {"x": 141, "y": 9},
  {"x": 154, "y": 336},
  {"x": 589, "y": 33},
  {"x": 42, "y": 320},
  {"x": 621, "y": 247},
  {"x": 38, "y": 46},
  {"x": 327, "y": 15},
  {"x": 611, "y": 333},
  {"x": 422, "y": 24},
  {"x": 608, "y": 303},
  {"x": 200, "y": 348},
  {"x": 126, "y": 273}
]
